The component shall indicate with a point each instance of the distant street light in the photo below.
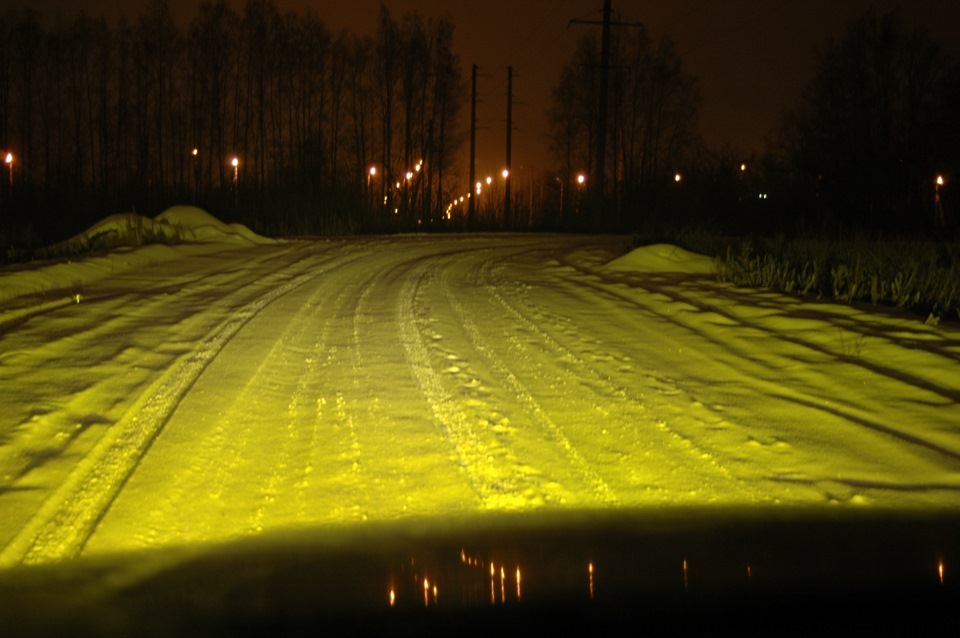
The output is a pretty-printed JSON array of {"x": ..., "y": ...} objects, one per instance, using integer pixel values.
[
  {"x": 937, "y": 206},
  {"x": 506, "y": 173},
  {"x": 581, "y": 179},
  {"x": 8, "y": 160},
  {"x": 195, "y": 153},
  {"x": 235, "y": 162},
  {"x": 677, "y": 177}
]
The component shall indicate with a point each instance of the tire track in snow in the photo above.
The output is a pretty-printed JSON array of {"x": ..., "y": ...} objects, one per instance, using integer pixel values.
[
  {"x": 306, "y": 407},
  {"x": 64, "y": 522},
  {"x": 534, "y": 409},
  {"x": 289, "y": 467},
  {"x": 496, "y": 486},
  {"x": 850, "y": 414},
  {"x": 229, "y": 459},
  {"x": 126, "y": 332},
  {"x": 625, "y": 395}
]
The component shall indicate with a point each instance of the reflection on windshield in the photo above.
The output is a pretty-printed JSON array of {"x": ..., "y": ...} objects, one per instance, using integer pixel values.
[{"x": 649, "y": 564}]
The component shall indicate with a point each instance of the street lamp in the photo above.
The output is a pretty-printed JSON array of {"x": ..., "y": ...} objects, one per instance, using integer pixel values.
[
  {"x": 235, "y": 162},
  {"x": 506, "y": 173},
  {"x": 937, "y": 206},
  {"x": 581, "y": 179},
  {"x": 677, "y": 178},
  {"x": 8, "y": 160},
  {"x": 195, "y": 153}
]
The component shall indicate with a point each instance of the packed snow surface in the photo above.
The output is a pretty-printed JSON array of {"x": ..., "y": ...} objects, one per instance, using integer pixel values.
[{"x": 211, "y": 390}]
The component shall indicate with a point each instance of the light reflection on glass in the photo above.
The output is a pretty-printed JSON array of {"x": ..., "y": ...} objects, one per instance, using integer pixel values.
[
  {"x": 466, "y": 572},
  {"x": 493, "y": 586},
  {"x": 590, "y": 572}
]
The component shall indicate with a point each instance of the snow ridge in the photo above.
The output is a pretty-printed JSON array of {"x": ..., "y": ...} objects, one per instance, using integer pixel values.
[{"x": 69, "y": 516}]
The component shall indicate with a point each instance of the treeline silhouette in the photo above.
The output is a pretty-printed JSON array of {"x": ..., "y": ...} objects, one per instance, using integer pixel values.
[{"x": 137, "y": 115}]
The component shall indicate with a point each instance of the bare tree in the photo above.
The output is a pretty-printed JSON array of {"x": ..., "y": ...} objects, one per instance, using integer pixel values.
[{"x": 869, "y": 132}]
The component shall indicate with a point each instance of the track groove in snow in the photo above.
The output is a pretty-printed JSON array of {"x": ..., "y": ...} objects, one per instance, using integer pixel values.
[
  {"x": 492, "y": 482},
  {"x": 634, "y": 415},
  {"x": 813, "y": 397},
  {"x": 545, "y": 424},
  {"x": 64, "y": 522}
]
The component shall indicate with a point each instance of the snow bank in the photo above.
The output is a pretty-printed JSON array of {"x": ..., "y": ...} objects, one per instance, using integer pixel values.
[
  {"x": 196, "y": 224},
  {"x": 134, "y": 241},
  {"x": 663, "y": 258}
]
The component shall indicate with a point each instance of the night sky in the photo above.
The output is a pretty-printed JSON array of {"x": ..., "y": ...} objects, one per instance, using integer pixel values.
[{"x": 752, "y": 56}]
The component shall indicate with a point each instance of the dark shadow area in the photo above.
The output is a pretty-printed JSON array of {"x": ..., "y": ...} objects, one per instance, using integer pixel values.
[{"x": 784, "y": 571}]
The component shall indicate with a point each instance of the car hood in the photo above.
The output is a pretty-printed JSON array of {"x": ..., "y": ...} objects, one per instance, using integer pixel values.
[{"x": 680, "y": 570}]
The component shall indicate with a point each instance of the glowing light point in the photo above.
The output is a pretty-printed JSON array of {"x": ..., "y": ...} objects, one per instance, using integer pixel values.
[
  {"x": 581, "y": 178},
  {"x": 677, "y": 177},
  {"x": 409, "y": 175},
  {"x": 235, "y": 162},
  {"x": 489, "y": 180},
  {"x": 373, "y": 171},
  {"x": 939, "y": 177},
  {"x": 590, "y": 578},
  {"x": 743, "y": 167},
  {"x": 195, "y": 152},
  {"x": 505, "y": 173}
]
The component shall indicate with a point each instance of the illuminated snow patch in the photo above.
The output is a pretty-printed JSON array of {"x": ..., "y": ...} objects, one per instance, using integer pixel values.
[{"x": 663, "y": 258}]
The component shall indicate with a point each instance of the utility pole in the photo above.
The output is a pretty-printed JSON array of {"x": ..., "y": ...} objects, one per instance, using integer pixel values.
[
  {"x": 508, "y": 177},
  {"x": 472, "y": 193},
  {"x": 598, "y": 178},
  {"x": 600, "y": 161}
]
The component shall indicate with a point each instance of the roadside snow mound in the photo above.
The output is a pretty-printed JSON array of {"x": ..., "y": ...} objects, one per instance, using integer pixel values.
[
  {"x": 176, "y": 225},
  {"x": 196, "y": 224},
  {"x": 663, "y": 258},
  {"x": 116, "y": 244}
]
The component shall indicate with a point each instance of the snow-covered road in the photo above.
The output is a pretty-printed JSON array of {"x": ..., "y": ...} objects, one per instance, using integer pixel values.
[{"x": 223, "y": 391}]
